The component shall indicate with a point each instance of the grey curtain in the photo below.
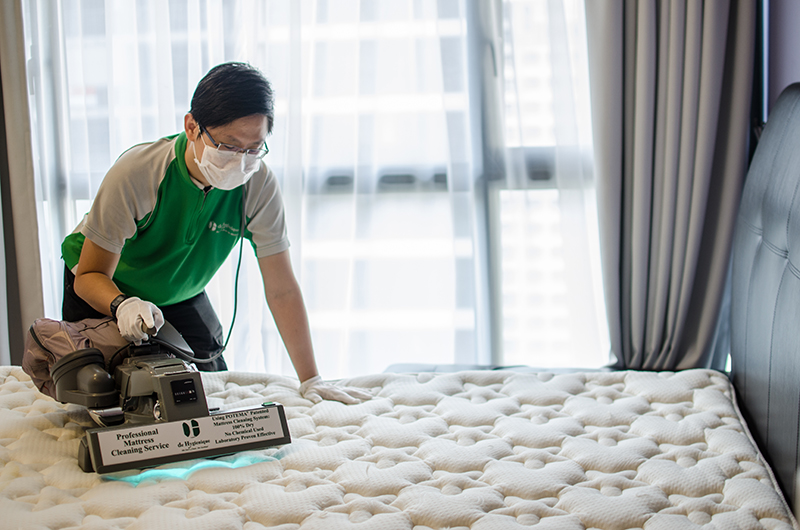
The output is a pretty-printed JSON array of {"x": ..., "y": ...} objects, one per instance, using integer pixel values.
[
  {"x": 21, "y": 298},
  {"x": 670, "y": 86}
]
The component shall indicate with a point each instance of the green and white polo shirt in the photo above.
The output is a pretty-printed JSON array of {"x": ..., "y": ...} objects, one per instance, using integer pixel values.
[{"x": 171, "y": 235}]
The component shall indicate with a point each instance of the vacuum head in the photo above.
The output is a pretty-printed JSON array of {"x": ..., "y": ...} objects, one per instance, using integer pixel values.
[
  {"x": 111, "y": 449},
  {"x": 154, "y": 411}
]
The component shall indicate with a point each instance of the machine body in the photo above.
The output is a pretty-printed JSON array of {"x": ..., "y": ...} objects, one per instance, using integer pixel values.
[{"x": 153, "y": 409}]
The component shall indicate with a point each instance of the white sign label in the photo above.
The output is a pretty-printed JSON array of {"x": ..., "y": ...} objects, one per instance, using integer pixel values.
[{"x": 176, "y": 437}]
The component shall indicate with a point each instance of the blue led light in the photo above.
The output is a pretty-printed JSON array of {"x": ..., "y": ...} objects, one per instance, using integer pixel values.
[{"x": 166, "y": 473}]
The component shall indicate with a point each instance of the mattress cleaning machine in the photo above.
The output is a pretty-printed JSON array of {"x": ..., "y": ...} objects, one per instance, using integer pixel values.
[{"x": 153, "y": 410}]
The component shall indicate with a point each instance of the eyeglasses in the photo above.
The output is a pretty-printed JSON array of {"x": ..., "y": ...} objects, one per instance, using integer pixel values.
[{"x": 228, "y": 148}]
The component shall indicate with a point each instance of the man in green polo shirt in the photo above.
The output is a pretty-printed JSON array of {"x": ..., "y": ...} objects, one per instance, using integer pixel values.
[{"x": 167, "y": 215}]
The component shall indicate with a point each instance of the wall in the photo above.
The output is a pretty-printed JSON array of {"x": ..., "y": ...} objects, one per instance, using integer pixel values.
[{"x": 784, "y": 46}]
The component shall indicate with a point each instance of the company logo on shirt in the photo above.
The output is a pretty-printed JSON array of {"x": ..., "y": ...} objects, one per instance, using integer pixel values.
[{"x": 223, "y": 228}]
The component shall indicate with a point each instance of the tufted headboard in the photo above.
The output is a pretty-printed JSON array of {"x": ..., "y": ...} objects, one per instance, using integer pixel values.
[{"x": 765, "y": 296}]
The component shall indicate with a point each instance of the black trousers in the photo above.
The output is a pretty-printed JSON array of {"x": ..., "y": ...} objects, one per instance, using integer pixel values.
[{"x": 194, "y": 318}]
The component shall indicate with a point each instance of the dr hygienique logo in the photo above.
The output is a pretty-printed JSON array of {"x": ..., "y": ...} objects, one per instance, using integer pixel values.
[
  {"x": 223, "y": 228},
  {"x": 191, "y": 429}
]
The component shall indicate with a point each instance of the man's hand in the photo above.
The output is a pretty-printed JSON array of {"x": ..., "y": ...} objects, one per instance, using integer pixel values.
[
  {"x": 315, "y": 389},
  {"x": 134, "y": 315}
]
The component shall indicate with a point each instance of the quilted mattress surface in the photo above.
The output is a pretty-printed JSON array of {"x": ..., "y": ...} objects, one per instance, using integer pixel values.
[{"x": 477, "y": 450}]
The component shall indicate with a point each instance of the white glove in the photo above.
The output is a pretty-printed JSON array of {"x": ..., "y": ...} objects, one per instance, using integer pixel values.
[
  {"x": 315, "y": 389},
  {"x": 134, "y": 315}
]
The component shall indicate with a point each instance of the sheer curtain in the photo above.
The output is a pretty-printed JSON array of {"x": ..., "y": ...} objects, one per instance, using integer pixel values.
[
  {"x": 372, "y": 146},
  {"x": 379, "y": 146},
  {"x": 553, "y": 311}
]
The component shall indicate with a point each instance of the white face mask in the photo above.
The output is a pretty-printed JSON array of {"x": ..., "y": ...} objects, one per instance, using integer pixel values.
[{"x": 225, "y": 170}]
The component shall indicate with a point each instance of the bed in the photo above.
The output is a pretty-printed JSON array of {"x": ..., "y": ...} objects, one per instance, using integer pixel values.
[
  {"x": 477, "y": 449},
  {"x": 491, "y": 449}
]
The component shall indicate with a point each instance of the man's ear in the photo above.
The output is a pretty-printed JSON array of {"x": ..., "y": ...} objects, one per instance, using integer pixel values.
[{"x": 191, "y": 127}]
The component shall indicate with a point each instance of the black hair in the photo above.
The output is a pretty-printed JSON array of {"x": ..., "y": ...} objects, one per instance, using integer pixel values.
[{"x": 230, "y": 91}]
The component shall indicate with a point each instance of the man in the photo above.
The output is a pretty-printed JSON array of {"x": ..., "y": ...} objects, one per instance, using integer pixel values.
[{"x": 169, "y": 212}]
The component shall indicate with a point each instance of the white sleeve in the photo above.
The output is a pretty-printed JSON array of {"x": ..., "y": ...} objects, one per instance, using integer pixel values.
[
  {"x": 127, "y": 194},
  {"x": 264, "y": 209}
]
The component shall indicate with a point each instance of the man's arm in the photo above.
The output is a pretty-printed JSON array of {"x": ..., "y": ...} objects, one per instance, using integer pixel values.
[
  {"x": 285, "y": 301},
  {"x": 94, "y": 284},
  {"x": 93, "y": 275}
]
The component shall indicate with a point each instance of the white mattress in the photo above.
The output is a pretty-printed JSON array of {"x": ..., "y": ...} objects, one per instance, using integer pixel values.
[{"x": 477, "y": 450}]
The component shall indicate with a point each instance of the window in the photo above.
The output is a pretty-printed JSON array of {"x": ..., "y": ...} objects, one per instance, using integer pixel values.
[{"x": 379, "y": 148}]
